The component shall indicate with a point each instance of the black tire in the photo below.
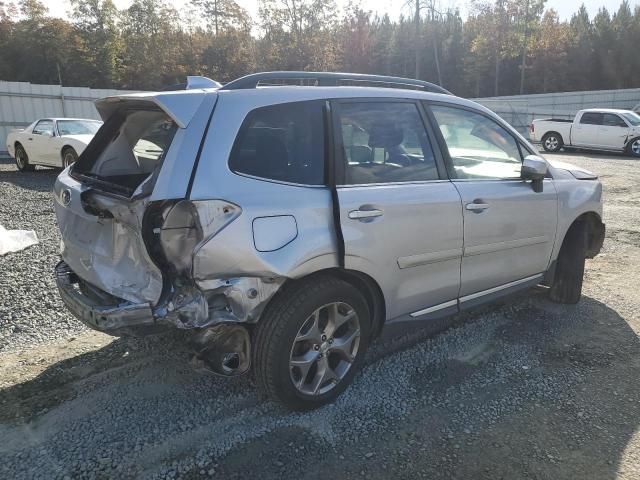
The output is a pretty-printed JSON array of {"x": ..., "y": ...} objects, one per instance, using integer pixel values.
[
  {"x": 633, "y": 147},
  {"x": 22, "y": 160},
  {"x": 69, "y": 157},
  {"x": 567, "y": 283},
  {"x": 552, "y": 142},
  {"x": 282, "y": 321}
]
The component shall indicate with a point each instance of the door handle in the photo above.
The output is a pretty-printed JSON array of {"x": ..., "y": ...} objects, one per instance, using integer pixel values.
[
  {"x": 476, "y": 207},
  {"x": 364, "y": 214}
]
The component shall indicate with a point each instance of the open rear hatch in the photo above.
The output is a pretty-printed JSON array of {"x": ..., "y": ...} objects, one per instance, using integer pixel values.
[{"x": 101, "y": 201}]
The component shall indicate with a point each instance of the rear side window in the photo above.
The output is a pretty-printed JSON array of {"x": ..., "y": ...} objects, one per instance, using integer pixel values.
[
  {"x": 385, "y": 142},
  {"x": 282, "y": 142},
  {"x": 591, "y": 118}
]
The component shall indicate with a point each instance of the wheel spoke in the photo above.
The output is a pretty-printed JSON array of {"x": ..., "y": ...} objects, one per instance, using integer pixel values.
[
  {"x": 313, "y": 332},
  {"x": 337, "y": 319},
  {"x": 343, "y": 346},
  {"x": 324, "y": 374},
  {"x": 303, "y": 363}
]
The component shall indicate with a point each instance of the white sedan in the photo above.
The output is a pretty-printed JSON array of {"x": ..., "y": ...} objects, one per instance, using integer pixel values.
[{"x": 53, "y": 142}]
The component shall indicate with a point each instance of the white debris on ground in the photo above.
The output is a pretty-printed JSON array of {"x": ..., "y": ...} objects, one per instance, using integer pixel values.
[{"x": 16, "y": 240}]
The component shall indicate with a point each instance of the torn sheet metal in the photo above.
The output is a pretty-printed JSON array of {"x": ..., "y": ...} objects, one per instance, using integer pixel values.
[
  {"x": 245, "y": 297},
  {"x": 16, "y": 240}
]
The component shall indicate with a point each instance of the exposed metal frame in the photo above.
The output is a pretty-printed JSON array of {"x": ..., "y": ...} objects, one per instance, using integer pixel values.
[{"x": 333, "y": 79}]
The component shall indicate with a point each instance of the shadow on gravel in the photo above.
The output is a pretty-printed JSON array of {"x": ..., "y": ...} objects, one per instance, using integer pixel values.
[
  {"x": 568, "y": 411},
  {"x": 41, "y": 180}
]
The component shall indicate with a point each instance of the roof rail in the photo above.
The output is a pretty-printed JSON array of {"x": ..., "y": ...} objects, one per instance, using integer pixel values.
[{"x": 332, "y": 79}]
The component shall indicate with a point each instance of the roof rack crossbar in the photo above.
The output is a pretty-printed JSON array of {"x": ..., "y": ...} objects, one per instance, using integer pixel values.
[{"x": 332, "y": 79}]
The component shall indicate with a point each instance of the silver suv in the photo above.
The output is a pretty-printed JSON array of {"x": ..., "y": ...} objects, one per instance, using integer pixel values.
[{"x": 286, "y": 226}]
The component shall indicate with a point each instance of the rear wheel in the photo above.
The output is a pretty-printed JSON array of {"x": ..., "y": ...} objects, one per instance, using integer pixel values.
[
  {"x": 552, "y": 142},
  {"x": 69, "y": 157},
  {"x": 567, "y": 283},
  {"x": 22, "y": 160},
  {"x": 310, "y": 342}
]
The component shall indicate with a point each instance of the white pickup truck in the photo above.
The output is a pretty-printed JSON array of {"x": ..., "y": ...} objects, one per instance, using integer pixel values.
[{"x": 596, "y": 129}]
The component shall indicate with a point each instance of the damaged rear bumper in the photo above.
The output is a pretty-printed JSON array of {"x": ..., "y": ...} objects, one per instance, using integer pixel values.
[
  {"x": 221, "y": 348},
  {"x": 119, "y": 319}
]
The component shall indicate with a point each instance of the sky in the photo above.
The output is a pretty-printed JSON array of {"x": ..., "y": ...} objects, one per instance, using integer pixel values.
[{"x": 565, "y": 8}]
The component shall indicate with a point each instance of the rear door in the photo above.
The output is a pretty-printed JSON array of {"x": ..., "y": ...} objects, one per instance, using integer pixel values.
[
  {"x": 614, "y": 131},
  {"x": 401, "y": 218},
  {"x": 509, "y": 230},
  {"x": 586, "y": 131}
]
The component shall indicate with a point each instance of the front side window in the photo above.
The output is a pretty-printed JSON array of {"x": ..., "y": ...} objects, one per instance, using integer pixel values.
[
  {"x": 44, "y": 127},
  {"x": 385, "y": 142},
  {"x": 613, "y": 120},
  {"x": 282, "y": 142},
  {"x": 478, "y": 146},
  {"x": 591, "y": 118}
]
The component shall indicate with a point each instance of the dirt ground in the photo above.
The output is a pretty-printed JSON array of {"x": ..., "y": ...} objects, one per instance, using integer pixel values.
[{"x": 522, "y": 388}]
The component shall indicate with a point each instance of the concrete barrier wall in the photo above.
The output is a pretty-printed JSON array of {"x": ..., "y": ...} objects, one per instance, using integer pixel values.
[
  {"x": 520, "y": 110},
  {"x": 21, "y": 103}
]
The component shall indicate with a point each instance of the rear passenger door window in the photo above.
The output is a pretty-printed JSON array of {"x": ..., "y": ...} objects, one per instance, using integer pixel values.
[
  {"x": 283, "y": 142},
  {"x": 592, "y": 118},
  {"x": 385, "y": 142}
]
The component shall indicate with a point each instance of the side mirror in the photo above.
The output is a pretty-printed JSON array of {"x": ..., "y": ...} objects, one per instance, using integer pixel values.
[{"x": 534, "y": 168}]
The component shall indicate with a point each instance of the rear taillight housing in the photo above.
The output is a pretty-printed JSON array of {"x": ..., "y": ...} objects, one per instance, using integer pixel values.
[{"x": 187, "y": 224}]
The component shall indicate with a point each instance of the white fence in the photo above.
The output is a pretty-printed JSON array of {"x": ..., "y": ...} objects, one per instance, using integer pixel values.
[
  {"x": 21, "y": 103},
  {"x": 520, "y": 110}
]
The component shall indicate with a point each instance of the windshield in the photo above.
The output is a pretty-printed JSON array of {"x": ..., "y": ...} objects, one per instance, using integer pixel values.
[
  {"x": 632, "y": 117},
  {"x": 78, "y": 127}
]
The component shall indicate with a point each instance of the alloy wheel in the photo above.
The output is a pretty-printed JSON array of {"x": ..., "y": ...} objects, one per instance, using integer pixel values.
[
  {"x": 68, "y": 159},
  {"x": 635, "y": 147},
  {"x": 20, "y": 160},
  {"x": 325, "y": 348},
  {"x": 551, "y": 143}
]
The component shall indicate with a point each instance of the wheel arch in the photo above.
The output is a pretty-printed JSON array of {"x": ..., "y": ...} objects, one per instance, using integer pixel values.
[
  {"x": 553, "y": 132},
  {"x": 363, "y": 283},
  {"x": 592, "y": 222},
  {"x": 67, "y": 146}
]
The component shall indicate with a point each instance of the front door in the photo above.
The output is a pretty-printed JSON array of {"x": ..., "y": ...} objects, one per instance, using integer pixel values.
[
  {"x": 509, "y": 230},
  {"x": 614, "y": 131},
  {"x": 401, "y": 218},
  {"x": 40, "y": 143}
]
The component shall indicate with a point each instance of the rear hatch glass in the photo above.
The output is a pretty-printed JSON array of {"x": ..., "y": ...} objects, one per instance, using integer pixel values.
[{"x": 127, "y": 149}]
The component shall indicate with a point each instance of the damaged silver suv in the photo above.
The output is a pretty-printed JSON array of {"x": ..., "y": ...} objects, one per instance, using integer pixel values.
[{"x": 286, "y": 219}]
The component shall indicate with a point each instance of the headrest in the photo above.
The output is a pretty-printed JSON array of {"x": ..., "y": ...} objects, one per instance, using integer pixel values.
[{"x": 385, "y": 135}]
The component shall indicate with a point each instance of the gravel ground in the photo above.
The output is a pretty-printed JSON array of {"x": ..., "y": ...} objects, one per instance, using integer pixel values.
[{"x": 522, "y": 388}]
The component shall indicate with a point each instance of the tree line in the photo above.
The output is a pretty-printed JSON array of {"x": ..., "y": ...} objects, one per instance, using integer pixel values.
[{"x": 502, "y": 47}]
